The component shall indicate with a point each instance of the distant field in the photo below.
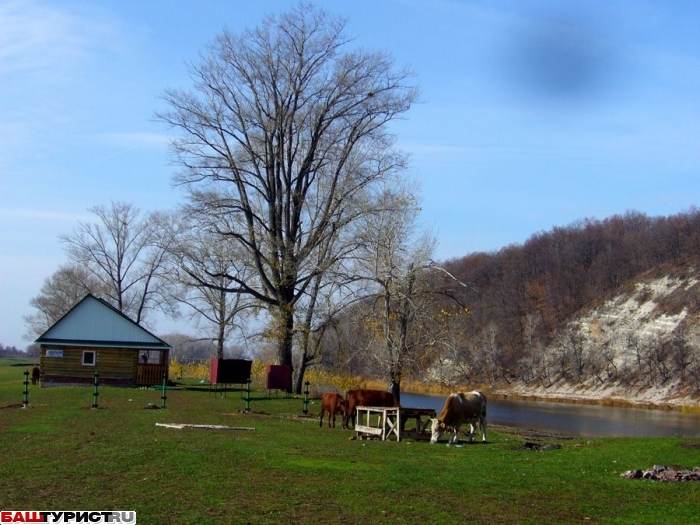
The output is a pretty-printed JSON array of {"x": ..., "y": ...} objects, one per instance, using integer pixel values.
[{"x": 60, "y": 454}]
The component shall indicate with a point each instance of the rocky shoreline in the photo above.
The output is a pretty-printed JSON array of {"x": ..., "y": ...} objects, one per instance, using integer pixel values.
[{"x": 667, "y": 397}]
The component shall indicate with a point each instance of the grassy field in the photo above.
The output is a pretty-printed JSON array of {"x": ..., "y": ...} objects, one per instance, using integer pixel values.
[{"x": 61, "y": 454}]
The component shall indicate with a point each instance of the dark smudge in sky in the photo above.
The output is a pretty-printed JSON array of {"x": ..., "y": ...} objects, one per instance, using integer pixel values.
[{"x": 562, "y": 56}]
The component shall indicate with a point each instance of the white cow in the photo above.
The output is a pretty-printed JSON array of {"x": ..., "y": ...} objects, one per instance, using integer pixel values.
[{"x": 460, "y": 408}]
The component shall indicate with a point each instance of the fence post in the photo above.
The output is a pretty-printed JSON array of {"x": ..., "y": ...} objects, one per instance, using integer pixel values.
[
  {"x": 163, "y": 397},
  {"x": 25, "y": 397},
  {"x": 247, "y": 395},
  {"x": 306, "y": 398},
  {"x": 94, "y": 390}
]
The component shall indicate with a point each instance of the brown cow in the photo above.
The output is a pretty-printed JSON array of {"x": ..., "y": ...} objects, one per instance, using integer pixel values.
[
  {"x": 36, "y": 375},
  {"x": 363, "y": 397},
  {"x": 460, "y": 408},
  {"x": 334, "y": 404}
]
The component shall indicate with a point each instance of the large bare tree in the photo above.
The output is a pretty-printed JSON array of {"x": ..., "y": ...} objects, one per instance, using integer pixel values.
[
  {"x": 392, "y": 257},
  {"x": 408, "y": 313},
  {"x": 125, "y": 252},
  {"x": 328, "y": 296},
  {"x": 279, "y": 142},
  {"x": 203, "y": 268}
]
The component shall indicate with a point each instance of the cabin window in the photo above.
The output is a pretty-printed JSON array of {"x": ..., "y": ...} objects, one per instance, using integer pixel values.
[
  {"x": 151, "y": 357},
  {"x": 88, "y": 358}
]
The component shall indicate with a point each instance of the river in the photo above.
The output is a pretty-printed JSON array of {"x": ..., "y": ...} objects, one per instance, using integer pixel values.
[{"x": 577, "y": 420}]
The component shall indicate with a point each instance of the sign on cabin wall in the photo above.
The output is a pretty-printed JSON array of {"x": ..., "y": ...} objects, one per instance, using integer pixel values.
[{"x": 54, "y": 353}]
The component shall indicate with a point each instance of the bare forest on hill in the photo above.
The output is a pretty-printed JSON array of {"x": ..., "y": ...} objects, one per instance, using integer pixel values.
[{"x": 523, "y": 299}]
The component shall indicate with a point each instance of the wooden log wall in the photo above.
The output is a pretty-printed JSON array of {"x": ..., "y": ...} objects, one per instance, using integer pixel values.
[{"x": 110, "y": 363}]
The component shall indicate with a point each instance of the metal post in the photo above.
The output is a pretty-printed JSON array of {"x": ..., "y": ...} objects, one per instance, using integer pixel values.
[
  {"x": 163, "y": 397},
  {"x": 306, "y": 398},
  {"x": 25, "y": 397},
  {"x": 94, "y": 391},
  {"x": 247, "y": 395}
]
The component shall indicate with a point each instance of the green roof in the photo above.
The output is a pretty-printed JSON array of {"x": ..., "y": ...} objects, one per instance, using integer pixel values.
[{"x": 94, "y": 322}]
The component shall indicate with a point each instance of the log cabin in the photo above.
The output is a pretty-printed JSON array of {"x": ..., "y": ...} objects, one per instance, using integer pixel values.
[{"x": 96, "y": 337}]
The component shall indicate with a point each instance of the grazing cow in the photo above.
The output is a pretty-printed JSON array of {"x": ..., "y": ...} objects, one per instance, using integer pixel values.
[
  {"x": 334, "y": 404},
  {"x": 36, "y": 375},
  {"x": 365, "y": 398},
  {"x": 460, "y": 408}
]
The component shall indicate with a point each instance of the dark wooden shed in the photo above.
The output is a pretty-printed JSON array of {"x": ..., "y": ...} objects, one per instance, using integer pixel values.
[
  {"x": 230, "y": 371},
  {"x": 96, "y": 337}
]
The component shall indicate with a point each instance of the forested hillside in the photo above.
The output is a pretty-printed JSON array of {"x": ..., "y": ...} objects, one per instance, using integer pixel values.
[{"x": 532, "y": 305}]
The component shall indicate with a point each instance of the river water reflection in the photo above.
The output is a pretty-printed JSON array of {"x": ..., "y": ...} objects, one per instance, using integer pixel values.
[{"x": 577, "y": 420}]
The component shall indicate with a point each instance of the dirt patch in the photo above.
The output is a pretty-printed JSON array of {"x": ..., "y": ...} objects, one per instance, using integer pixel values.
[
  {"x": 532, "y": 434},
  {"x": 539, "y": 447}
]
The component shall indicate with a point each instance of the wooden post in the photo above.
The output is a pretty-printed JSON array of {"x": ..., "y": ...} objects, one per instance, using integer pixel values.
[
  {"x": 94, "y": 391},
  {"x": 247, "y": 395},
  {"x": 306, "y": 398},
  {"x": 163, "y": 397},
  {"x": 25, "y": 397}
]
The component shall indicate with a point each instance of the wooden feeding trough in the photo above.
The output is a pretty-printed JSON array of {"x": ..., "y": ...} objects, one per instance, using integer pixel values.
[
  {"x": 391, "y": 421},
  {"x": 388, "y": 420}
]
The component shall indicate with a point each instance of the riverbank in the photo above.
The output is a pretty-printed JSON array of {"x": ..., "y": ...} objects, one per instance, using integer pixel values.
[{"x": 667, "y": 397}]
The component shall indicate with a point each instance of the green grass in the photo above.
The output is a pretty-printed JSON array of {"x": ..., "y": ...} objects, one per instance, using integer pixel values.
[{"x": 60, "y": 454}]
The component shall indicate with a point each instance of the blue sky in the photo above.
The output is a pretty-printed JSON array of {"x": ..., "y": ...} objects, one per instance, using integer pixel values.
[{"x": 532, "y": 114}]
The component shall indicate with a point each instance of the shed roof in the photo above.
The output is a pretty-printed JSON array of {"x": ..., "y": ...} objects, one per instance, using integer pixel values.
[{"x": 94, "y": 322}]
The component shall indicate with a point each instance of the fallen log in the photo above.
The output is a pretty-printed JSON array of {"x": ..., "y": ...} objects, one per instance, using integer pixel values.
[{"x": 211, "y": 427}]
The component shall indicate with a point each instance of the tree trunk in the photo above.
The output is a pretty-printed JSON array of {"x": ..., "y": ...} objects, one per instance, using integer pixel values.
[
  {"x": 395, "y": 386},
  {"x": 300, "y": 377},
  {"x": 220, "y": 342},
  {"x": 221, "y": 332},
  {"x": 284, "y": 352}
]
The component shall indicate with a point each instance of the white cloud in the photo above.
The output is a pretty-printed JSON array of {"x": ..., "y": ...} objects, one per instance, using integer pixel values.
[
  {"x": 43, "y": 215},
  {"x": 39, "y": 38},
  {"x": 136, "y": 139},
  {"x": 50, "y": 57}
]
